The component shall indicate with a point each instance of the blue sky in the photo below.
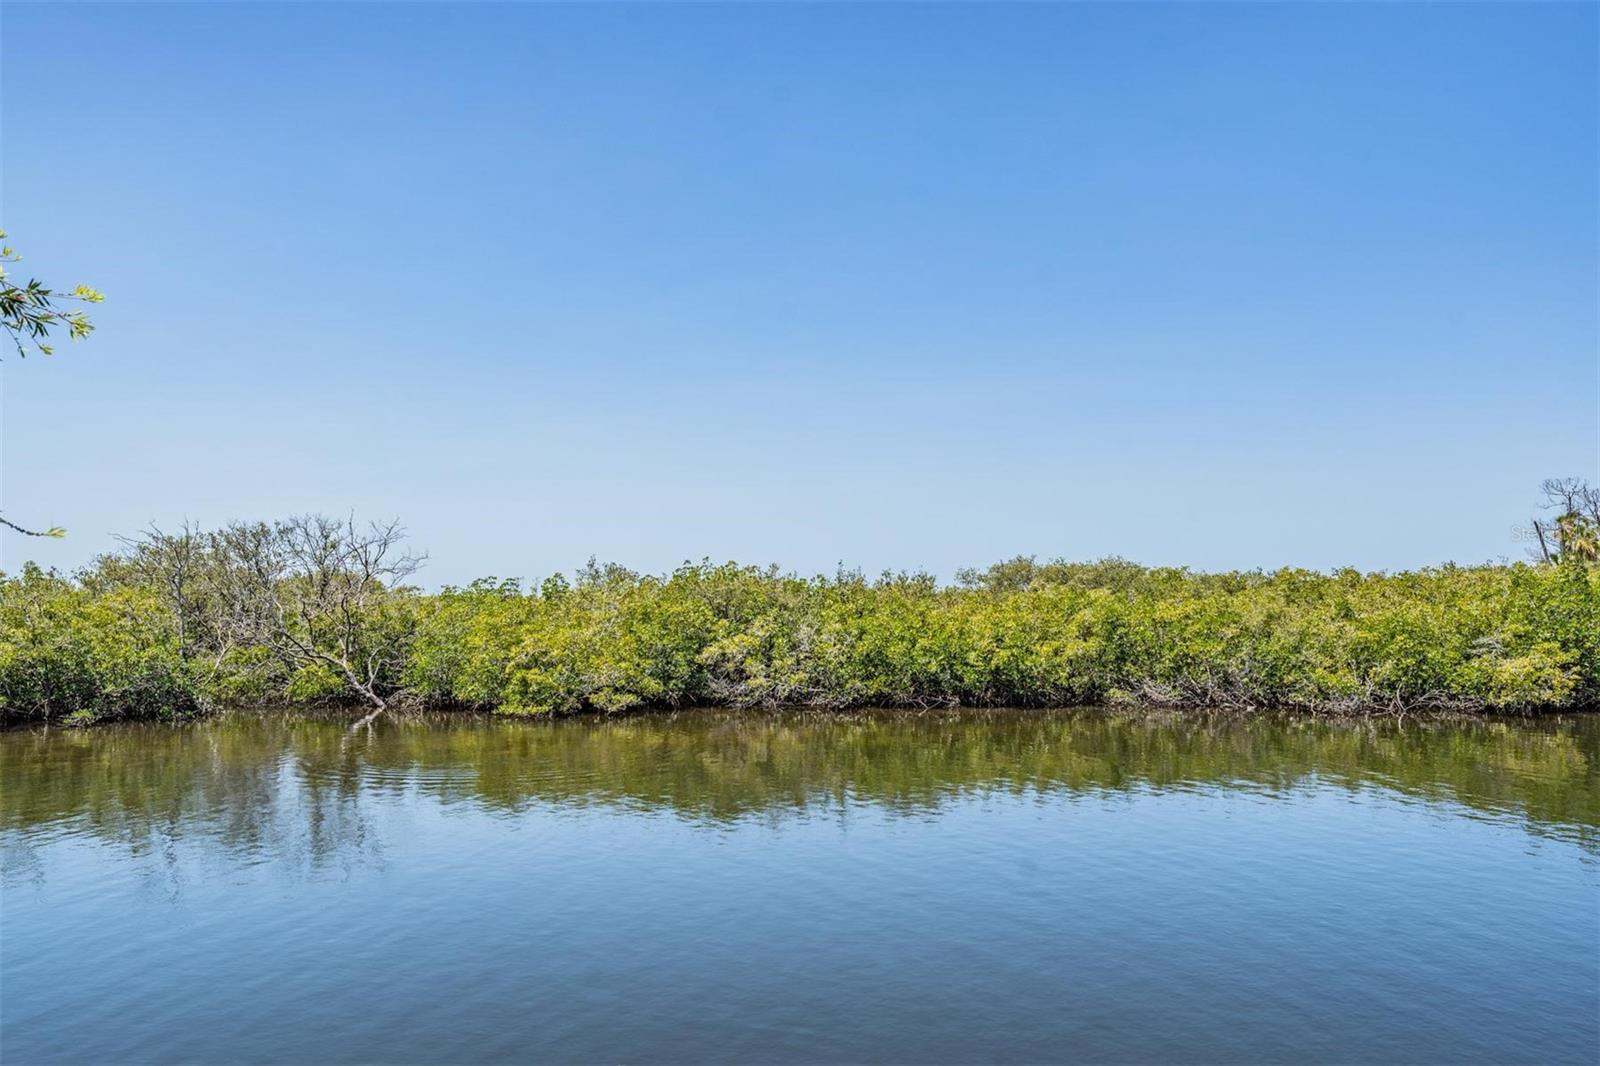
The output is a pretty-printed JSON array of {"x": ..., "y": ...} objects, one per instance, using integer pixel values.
[{"x": 897, "y": 286}]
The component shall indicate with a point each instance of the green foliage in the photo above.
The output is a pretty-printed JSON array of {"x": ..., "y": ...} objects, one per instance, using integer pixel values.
[
  {"x": 67, "y": 653},
  {"x": 29, "y": 312},
  {"x": 1494, "y": 638}
]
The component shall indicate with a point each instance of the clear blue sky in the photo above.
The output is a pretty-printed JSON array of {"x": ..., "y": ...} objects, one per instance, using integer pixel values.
[{"x": 909, "y": 286}]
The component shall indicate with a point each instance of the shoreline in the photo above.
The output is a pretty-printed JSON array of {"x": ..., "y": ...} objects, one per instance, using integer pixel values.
[{"x": 352, "y": 713}]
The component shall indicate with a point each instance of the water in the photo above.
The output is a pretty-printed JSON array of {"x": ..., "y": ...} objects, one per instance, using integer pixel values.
[{"x": 1015, "y": 886}]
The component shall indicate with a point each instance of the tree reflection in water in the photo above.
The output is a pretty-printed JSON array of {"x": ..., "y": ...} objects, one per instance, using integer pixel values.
[{"x": 295, "y": 788}]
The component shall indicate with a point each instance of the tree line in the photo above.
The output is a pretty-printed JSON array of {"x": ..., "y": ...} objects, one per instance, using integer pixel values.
[{"x": 313, "y": 609}]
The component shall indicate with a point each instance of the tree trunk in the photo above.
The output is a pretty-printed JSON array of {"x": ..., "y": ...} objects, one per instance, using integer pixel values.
[{"x": 377, "y": 701}]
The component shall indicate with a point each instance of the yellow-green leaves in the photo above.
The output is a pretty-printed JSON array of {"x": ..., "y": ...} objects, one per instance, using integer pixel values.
[
  {"x": 30, "y": 313},
  {"x": 1491, "y": 638}
]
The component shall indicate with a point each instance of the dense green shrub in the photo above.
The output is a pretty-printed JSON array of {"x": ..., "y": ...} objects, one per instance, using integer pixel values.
[
  {"x": 1496, "y": 637},
  {"x": 1499, "y": 638},
  {"x": 69, "y": 653}
]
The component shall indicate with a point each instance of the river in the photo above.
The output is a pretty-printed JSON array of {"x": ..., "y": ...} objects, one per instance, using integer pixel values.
[{"x": 1017, "y": 886}]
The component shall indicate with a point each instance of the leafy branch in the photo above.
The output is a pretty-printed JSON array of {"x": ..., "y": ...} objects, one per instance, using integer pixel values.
[
  {"x": 31, "y": 312},
  {"x": 53, "y": 531}
]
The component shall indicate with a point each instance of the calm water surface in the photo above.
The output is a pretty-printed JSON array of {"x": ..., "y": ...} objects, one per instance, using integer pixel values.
[{"x": 1015, "y": 886}]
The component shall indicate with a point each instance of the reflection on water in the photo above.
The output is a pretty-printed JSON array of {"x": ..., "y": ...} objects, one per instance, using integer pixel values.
[
  {"x": 712, "y": 886},
  {"x": 275, "y": 780}
]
